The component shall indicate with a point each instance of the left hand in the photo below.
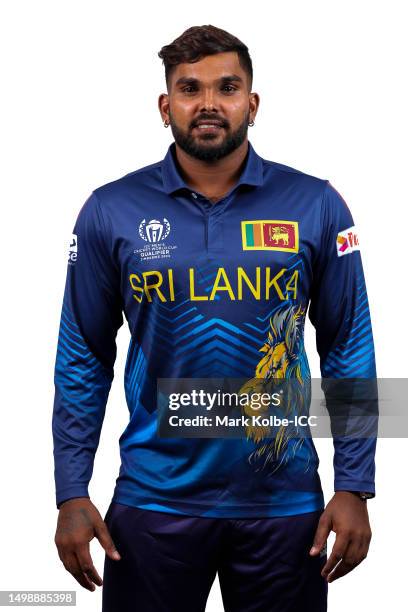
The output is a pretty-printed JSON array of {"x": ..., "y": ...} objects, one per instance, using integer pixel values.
[{"x": 347, "y": 516}]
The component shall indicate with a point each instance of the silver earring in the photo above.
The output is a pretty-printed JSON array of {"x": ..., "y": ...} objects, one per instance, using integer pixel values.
[
  {"x": 251, "y": 123},
  {"x": 166, "y": 125}
]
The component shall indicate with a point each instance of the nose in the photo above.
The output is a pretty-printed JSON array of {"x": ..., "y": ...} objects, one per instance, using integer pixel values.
[{"x": 208, "y": 102}]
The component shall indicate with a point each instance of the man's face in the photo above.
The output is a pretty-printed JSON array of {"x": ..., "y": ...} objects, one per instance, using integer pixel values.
[{"x": 214, "y": 89}]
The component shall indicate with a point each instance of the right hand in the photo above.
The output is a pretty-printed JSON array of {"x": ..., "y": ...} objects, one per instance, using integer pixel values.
[{"x": 79, "y": 522}]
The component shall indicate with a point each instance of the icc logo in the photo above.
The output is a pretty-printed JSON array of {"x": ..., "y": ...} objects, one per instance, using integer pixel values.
[{"x": 155, "y": 230}]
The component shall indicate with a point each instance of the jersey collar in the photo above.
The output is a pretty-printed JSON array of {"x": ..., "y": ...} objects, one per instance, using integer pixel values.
[{"x": 252, "y": 173}]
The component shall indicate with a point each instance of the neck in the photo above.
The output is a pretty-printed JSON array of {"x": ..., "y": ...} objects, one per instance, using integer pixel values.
[{"x": 214, "y": 178}]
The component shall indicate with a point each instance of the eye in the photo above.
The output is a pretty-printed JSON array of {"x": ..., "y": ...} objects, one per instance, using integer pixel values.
[{"x": 192, "y": 88}]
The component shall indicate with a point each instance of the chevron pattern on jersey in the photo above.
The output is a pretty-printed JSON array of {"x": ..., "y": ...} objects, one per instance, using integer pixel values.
[
  {"x": 79, "y": 375},
  {"x": 216, "y": 345},
  {"x": 355, "y": 356}
]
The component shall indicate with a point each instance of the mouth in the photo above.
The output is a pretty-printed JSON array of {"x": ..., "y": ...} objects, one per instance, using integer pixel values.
[{"x": 208, "y": 127}]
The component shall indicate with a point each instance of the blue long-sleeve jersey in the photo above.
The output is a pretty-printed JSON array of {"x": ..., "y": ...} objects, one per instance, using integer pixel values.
[{"x": 208, "y": 290}]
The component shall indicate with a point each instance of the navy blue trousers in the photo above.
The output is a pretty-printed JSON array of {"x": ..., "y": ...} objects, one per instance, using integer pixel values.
[{"x": 169, "y": 563}]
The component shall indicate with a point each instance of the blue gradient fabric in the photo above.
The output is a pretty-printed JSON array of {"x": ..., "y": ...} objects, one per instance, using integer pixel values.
[{"x": 208, "y": 290}]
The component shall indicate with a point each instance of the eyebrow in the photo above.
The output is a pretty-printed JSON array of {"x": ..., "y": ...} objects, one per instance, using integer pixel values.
[{"x": 192, "y": 81}]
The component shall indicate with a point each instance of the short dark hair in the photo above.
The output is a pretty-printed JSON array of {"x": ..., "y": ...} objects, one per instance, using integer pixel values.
[{"x": 200, "y": 41}]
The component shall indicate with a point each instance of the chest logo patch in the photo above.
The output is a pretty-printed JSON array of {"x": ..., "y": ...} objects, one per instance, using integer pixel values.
[
  {"x": 154, "y": 230},
  {"x": 154, "y": 233},
  {"x": 271, "y": 235}
]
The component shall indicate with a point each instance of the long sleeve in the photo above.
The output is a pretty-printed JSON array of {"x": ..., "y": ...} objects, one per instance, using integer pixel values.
[
  {"x": 91, "y": 314},
  {"x": 339, "y": 311}
]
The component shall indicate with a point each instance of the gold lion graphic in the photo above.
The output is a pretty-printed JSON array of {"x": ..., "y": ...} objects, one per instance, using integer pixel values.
[
  {"x": 283, "y": 358},
  {"x": 279, "y": 233}
]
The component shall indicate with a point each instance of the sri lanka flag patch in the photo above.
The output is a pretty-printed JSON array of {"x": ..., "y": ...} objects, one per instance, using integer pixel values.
[{"x": 270, "y": 234}]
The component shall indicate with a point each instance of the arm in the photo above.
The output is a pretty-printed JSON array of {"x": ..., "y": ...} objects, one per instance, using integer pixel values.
[
  {"x": 340, "y": 313},
  {"x": 90, "y": 317}
]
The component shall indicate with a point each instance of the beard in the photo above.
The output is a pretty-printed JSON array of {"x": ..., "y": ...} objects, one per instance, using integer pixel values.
[{"x": 205, "y": 147}]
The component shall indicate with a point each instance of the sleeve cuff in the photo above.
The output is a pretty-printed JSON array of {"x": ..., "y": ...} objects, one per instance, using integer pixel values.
[
  {"x": 71, "y": 492},
  {"x": 354, "y": 485}
]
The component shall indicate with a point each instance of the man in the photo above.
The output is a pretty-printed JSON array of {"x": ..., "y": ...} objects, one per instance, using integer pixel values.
[{"x": 214, "y": 255}]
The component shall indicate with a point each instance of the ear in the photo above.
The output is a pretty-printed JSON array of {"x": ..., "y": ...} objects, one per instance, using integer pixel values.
[{"x": 163, "y": 104}]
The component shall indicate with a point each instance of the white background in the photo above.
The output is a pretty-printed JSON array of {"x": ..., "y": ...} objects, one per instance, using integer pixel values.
[{"x": 80, "y": 82}]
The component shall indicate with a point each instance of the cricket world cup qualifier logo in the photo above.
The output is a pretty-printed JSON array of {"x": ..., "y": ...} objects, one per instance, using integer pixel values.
[{"x": 154, "y": 230}]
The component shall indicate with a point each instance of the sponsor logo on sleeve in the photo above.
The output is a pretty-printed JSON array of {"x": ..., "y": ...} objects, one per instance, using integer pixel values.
[
  {"x": 73, "y": 249},
  {"x": 347, "y": 241}
]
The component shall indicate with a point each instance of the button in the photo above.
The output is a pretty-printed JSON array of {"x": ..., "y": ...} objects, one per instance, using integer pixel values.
[{"x": 193, "y": 194}]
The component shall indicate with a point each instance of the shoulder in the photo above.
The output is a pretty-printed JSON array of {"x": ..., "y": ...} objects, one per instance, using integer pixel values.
[
  {"x": 129, "y": 184},
  {"x": 295, "y": 178},
  {"x": 328, "y": 196}
]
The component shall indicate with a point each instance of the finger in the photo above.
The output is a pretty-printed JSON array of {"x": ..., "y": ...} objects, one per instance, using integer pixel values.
[
  {"x": 353, "y": 556},
  {"x": 71, "y": 564},
  {"x": 106, "y": 541},
  {"x": 343, "y": 568},
  {"x": 321, "y": 535},
  {"x": 339, "y": 549},
  {"x": 86, "y": 564}
]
